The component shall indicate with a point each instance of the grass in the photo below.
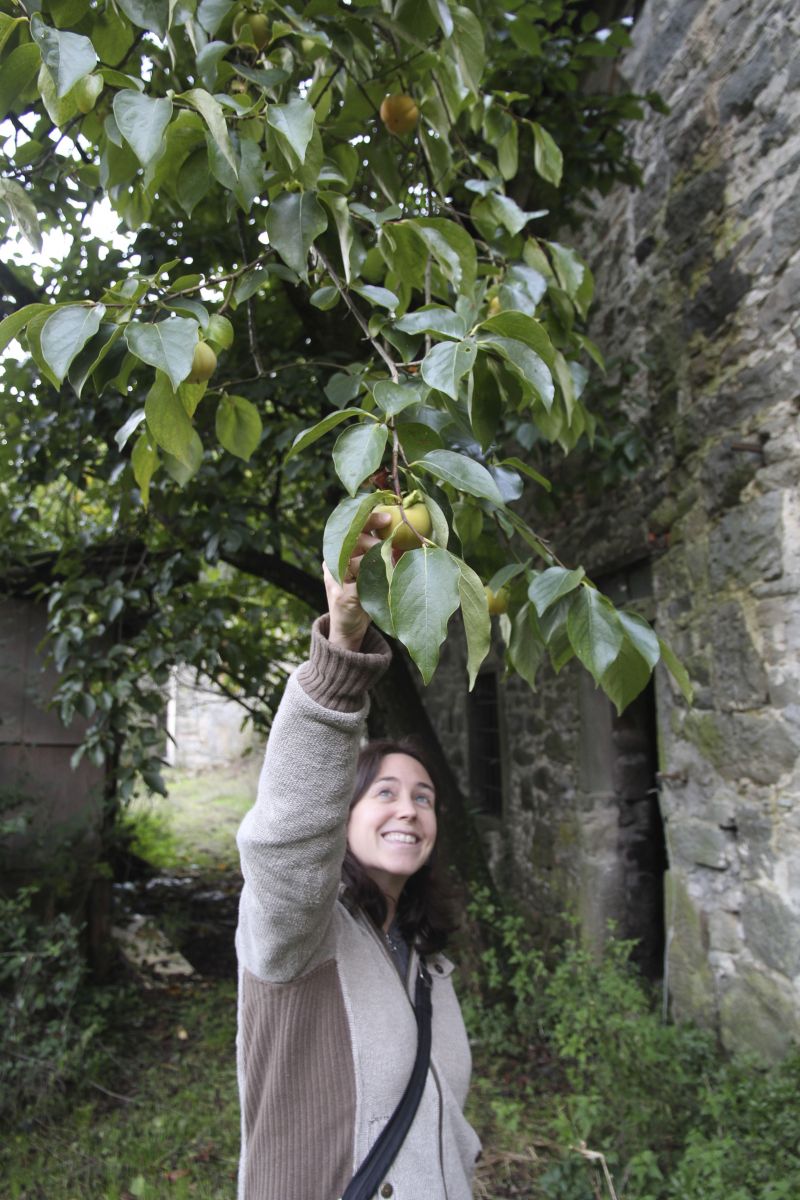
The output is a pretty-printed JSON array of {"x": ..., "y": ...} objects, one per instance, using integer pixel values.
[
  {"x": 195, "y": 827},
  {"x": 156, "y": 1115}
]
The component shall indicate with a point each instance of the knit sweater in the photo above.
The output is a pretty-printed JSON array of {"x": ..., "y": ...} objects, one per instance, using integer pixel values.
[{"x": 327, "y": 1034}]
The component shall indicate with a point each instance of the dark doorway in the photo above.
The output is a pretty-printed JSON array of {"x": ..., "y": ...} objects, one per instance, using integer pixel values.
[
  {"x": 642, "y": 847},
  {"x": 485, "y": 746}
]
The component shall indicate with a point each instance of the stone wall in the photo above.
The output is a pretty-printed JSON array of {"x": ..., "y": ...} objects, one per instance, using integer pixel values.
[
  {"x": 698, "y": 276},
  {"x": 205, "y": 726}
]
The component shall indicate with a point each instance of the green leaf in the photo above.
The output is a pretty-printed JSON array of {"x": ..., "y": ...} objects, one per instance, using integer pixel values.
[
  {"x": 394, "y": 397},
  {"x": 294, "y": 125},
  {"x": 308, "y": 436},
  {"x": 211, "y": 112},
  {"x": 358, "y": 453},
  {"x": 441, "y": 12},
  {"x": 7, "y": 27},
  {"x": 463, "y": 473},
  {"x": 627, "y": 676},
  {"x": 433, "y": 318},
  {"x": 677, "y": 671},
  {"x": 12, "y": 325},
  {"x": 508, "y": 152},
  {"x": 22, "y": 210},
  {"x": 343, "y": 528},
  {"x": 519, "y": 465},
  {"x": 423, "y": 595},
  {"x": 338, "y": 208},
  {"x": 66, "y": 332},
  {"x": 477, "y": 624},
  {"x": 642, "y": 636},
  {"x": 451, "y": 246},
  {"x": 142, "y": 122},
  {"x": 547, "y": 158},
  {"x": 131, "y": 425},
  {"x": 526, "y": 363},
  {"x": 238, "y": 425},
  {"x": 374, "y": 576},
  {"x": 521, "y": 328},
  {"x": 470, "y": 52},
  {"x": 168, "y": 423},
  {"x": 293, "y": 221},
  {"x": 152, "y": 15},
  {"x": 594, "y": 631},
  {"x": 167, "y": 346},
  {"x": 17, "y": 72},
  {"x": 144, "y": 461},
  {"x": 67, "y": 56},
  {"x": 467, "y": 523},
  {"x": 220, "y": 331},
  {"x": 447, "y": 363},
  {"x": 551, "y": 585},
  {"x": 377, "y": 295},
  {"x": 417, "y": 439},
  {"x": 569, "y": 268},
  {"x": 211, "y": 14},
  {"x": 525, "y": 646},
  {"x": 505, "y": 574}
]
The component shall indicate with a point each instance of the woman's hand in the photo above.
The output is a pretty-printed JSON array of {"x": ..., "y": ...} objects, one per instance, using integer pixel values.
[{"x": 349, "y": 622}]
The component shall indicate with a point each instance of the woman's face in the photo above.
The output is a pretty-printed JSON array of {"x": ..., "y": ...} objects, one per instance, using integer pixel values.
[{"x": 392, "y": 827}]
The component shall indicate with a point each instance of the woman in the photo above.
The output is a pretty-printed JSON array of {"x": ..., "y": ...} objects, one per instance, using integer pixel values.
[{"x": 327, "y": 1031}]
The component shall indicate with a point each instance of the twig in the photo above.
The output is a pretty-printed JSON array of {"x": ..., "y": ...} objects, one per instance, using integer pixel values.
[
  {"x": 113, "y": 1095},
  {"x": 343, "y": 292},
  {"x": 594, "y": 1156}
]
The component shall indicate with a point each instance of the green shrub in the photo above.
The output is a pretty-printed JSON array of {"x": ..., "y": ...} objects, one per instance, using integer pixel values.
[
  {"x": 41, "y": 973},
  {"x": 673, "y": 1118}
]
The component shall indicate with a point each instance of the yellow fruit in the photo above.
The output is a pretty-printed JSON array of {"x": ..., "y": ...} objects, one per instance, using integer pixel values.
[
  {"x": 494, "y": 306},
  {"x": 399, "y": 113},
  {"x": 405, "y": 539},
  {"x": 497, "y": 601},
  {"x": 204, "y": 363},
  {"x": 259, "y": 27}
]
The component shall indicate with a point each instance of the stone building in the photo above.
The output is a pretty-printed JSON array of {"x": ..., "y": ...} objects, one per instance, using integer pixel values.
[{"x": 682, "y": 824}]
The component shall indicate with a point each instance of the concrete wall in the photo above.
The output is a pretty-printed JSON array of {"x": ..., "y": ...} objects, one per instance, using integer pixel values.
[
  {"x": 56, "y": 811},
  {"x": 697, "y": 277}
]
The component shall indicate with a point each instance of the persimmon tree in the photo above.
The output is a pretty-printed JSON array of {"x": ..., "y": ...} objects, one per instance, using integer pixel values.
[{"x": 306, "y": 313}]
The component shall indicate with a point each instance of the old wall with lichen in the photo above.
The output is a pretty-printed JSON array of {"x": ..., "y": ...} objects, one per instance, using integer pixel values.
[{"x": 698, "y": 278}]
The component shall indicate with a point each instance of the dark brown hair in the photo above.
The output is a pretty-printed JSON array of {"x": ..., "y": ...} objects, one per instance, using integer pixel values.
[{"x": 425, "y": 910}]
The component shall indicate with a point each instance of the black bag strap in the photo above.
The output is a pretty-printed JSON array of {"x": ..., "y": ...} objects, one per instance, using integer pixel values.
[{"x": 367, "y": 1178}]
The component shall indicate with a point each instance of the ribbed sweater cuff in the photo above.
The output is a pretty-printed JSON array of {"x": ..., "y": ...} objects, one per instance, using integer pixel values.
[{"x": 340, "y": 679}]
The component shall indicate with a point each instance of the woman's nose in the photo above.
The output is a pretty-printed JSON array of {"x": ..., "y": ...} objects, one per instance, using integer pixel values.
[{"x": 406, "y": 807}]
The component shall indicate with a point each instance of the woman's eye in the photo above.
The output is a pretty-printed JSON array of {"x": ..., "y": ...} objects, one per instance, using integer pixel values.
[
  {"x": 385, "y": 793},
  {"x": 426, "y": 800}
]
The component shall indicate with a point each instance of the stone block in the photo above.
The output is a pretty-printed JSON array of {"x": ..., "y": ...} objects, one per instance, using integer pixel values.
[
  {"x": 698, "y": 843},
  {"x": 690, "y": 979},
  {"x": 724, "y": 932},
  {"x": 785, "y": 230},
  {"x": 716, "y": 299},
  {"x": 725, "y": 474},
  {"x": 739, "y": 680},
  {"x": 746, "y": 544},
  {"x": 741, "y": 88},
  {"x": 772, "y": 930},
  {"x": 690, "y": 205},
  {"x": 744, "y": 745},
  {"x": 759, "y": 1014}
]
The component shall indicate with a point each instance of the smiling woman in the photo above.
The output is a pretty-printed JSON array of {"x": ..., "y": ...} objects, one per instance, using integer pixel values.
[{"x": 353, "y": 1060}]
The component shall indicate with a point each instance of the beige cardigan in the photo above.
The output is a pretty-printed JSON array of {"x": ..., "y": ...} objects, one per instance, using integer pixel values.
[{"x": 327, "y": 1033}]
